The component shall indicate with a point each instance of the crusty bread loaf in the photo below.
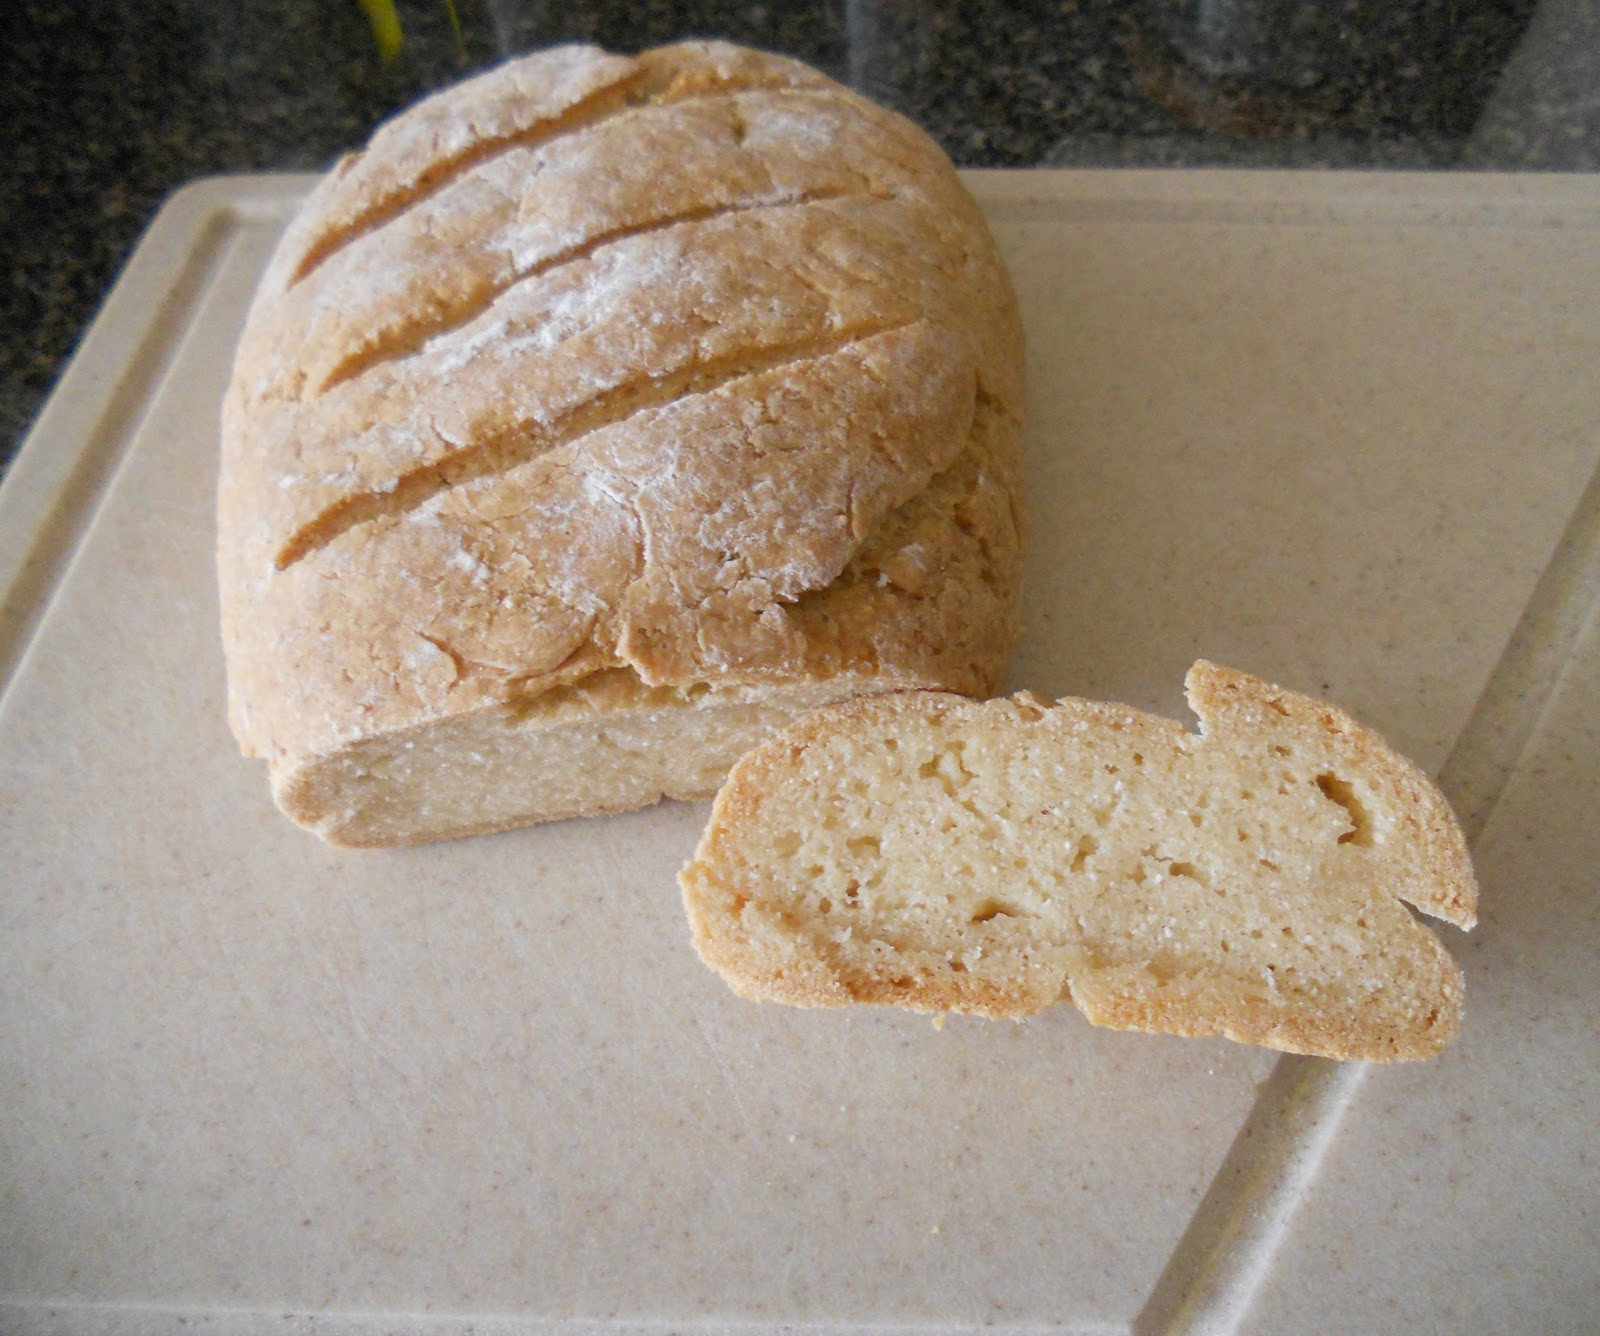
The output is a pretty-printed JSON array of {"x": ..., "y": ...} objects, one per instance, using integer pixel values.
[
  {"x": 942, "y": 854},
  {"x": 603, "y": 415}
]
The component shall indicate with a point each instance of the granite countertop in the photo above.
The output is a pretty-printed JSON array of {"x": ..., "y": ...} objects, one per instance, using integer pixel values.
[{"x": 108, "y": 108}]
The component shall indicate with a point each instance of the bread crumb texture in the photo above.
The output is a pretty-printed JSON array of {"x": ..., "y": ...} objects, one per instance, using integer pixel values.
[
  {"x": 1249, "y": 880},
  {"x": 690, "y": 380}
]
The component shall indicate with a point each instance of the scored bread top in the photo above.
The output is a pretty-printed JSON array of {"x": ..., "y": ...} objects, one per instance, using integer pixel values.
[
  {"x": 694, "y": 363},
  {"x": 1250, "y": 880}
]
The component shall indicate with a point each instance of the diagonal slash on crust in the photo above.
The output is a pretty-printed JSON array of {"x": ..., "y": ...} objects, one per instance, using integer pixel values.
[
  {"x": 408, "y": 339},
  {"x": 638, "y": 89},
  {"x": 510, "y": 448}
]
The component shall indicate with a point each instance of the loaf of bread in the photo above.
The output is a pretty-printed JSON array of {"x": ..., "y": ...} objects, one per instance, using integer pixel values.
[
  {"x": 602, "y": 416},
  {"x": 1250, "y": 880}
]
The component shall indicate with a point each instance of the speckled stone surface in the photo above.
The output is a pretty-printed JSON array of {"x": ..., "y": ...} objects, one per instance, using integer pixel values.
[{"x": 106, "y": 108}]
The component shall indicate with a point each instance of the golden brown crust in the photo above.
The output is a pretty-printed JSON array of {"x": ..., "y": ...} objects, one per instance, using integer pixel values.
[
  {"x": 926, "y": 851},
  {"x": 694, "y": 363}
]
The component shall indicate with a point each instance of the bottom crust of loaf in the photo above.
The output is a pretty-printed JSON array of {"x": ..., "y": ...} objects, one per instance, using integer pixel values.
[{"x": 606, "y": 744}]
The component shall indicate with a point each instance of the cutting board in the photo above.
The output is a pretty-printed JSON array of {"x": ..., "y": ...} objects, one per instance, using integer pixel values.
[{"x": 1339, "y": 430}]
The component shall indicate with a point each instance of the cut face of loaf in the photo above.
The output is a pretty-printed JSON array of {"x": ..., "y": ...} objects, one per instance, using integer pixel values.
[
  {"x": 606, "y": 744},
  {"x": 1250, "y": 880},
  {"x": 684, "y": 389}
]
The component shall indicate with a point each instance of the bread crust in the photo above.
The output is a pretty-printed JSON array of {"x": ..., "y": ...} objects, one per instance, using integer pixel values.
[
  {"x": 930, "y": 852},
  {"x": 694, "y": 364}
]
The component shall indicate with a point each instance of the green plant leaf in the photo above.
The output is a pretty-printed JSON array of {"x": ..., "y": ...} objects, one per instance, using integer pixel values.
[{"x": 386, "y": 30}]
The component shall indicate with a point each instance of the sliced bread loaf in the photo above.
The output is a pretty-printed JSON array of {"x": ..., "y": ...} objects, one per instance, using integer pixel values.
[
  {"x": 603, "y": 415},
  {"x": 1248, "y": 880}
]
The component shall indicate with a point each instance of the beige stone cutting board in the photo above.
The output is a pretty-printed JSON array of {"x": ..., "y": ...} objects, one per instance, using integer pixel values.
[{"x": 1339, "y": 430}]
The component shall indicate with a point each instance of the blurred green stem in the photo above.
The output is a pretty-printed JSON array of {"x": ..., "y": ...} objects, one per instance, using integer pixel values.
[
  {"x": 455, "y": 27},
  {"x": 386, "y": 30}
]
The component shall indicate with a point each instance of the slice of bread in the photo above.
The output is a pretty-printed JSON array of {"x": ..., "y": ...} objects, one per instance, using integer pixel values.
[{"x": 1249, "y": 880}]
